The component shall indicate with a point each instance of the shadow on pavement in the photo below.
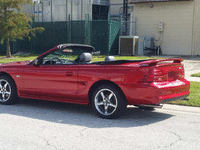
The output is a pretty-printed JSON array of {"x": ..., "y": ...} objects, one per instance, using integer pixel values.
[{"x": 81, "y": 115}]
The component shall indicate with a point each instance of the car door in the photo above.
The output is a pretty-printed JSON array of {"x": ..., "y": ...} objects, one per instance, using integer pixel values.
[
  {"x": 57, "y": 82},
  {"x": 53, "y": 81}
]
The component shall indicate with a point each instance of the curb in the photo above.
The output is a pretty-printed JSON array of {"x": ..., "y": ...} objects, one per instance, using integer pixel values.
[
  {"x": 196, "y": 79},
  {"x": 181, "y": 108}
]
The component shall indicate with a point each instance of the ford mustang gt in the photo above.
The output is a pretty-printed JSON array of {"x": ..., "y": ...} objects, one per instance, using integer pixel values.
[{"x": 67, "y": 73}]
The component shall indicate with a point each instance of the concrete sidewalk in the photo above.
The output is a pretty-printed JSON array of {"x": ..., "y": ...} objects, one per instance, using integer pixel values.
[
  {"x": 197, "y": 79},
  {"x": 191, "y": 66},
  {"x": 181, "y": 108}
]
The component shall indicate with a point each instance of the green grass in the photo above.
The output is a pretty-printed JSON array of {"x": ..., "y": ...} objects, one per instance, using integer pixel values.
[
  {"x": 196, "y": 75},
  {"x": 3, "y": 59},
  {"x": 194, "y": 97},
  {"x": 102, "y": 57}
]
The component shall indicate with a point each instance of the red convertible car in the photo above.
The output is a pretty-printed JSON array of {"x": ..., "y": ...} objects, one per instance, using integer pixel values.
[{"x": 66, "y": 73}]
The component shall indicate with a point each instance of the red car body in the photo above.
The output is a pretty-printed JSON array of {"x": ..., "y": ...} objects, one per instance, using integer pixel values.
[{"x": 147, "y": 82}]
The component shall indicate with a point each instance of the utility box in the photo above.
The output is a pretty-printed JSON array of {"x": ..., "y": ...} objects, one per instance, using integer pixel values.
[
  {"x": 145, "y": 43},
  {"x": 128, "y": 45}
]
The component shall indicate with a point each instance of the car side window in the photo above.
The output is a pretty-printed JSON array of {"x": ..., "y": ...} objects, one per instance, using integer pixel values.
[{"x": 60, "y": 57}]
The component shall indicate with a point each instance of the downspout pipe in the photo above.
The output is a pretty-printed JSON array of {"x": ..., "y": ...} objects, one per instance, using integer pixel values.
[{"x": 193, "y": 34}]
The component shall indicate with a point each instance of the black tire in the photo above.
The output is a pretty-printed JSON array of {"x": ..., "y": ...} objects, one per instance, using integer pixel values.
[
  {"x": 108, "y": 101},
  {"x": 8, "y": 92}
]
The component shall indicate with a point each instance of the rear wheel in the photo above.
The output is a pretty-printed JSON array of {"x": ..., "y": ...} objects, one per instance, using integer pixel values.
[
  {"x": 108, "y": 101},
  {"x": 8, "y": 92}
]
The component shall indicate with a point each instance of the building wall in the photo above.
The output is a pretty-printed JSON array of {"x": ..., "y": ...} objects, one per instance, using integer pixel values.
[
  {"x": 59, "y": 10},
  {"x": 116, "y": 7},
  {"x": 78, "y": 8},
  {"x": 101, "y": 2},
  {"x": 196, "y": 28},
  {"x": 27, "y": 9},
  {"x": 178, "y": 30}
]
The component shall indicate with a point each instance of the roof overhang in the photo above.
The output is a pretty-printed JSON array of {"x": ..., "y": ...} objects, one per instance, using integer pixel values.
[{"x": 146, "y": 1}]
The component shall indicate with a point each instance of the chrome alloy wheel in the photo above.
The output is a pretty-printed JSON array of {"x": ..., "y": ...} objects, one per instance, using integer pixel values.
[
  {"x": 5, "y": 90},
  {"x": 106, "y": 102}
]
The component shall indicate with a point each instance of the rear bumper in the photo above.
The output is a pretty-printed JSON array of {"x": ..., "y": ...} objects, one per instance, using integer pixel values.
[
  {"x": 174, "y": 99},
  {"x": 156, "y": 93}
]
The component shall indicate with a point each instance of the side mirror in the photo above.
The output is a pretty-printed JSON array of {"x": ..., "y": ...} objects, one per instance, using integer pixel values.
[{"x": 35, "y": 62}]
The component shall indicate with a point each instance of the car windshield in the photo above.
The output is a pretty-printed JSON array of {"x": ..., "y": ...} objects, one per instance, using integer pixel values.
[{"x": 65, "y": 56}]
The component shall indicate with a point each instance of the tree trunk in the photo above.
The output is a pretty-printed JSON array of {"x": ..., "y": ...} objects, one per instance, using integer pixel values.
[{"x": 8, "y": 53}]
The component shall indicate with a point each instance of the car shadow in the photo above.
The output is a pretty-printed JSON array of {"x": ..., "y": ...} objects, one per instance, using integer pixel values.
[{"x": 81, "y": 115}]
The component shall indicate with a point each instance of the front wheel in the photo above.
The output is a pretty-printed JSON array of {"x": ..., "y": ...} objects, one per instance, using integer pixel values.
[
  {"x": 8, "y": 93},
  {"x": 108, "y": 101}
]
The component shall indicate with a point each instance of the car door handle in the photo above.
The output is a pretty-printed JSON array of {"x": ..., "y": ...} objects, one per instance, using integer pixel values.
[{"x": 69, "y": 74}]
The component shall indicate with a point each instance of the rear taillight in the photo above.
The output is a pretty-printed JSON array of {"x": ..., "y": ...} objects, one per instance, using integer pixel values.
[
  {"x": 159, "y": 75},
  {"x": 181, "y": 73},
  {"x": 153, "y": 75}
]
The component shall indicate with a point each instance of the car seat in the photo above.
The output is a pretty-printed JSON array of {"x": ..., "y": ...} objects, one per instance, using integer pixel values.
[
  {"x": 85, "y": 58},
  {"x": 109, "y": 58}
]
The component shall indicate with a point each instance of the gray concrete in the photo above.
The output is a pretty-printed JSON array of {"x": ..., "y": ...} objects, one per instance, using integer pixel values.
[
  {"x": 41, "y": 125},
  {"x": 191, "y": 66}
]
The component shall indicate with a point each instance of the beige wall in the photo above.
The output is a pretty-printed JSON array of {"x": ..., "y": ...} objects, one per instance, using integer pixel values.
[
  {"x": 178, "y": 19},
  {"x": 196, "y": 29}
]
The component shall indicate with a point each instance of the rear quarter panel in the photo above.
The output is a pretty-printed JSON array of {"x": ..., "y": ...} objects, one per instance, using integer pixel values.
[
  {"x": 119, "y": 74},
  {"x": 127, "y": 77}
]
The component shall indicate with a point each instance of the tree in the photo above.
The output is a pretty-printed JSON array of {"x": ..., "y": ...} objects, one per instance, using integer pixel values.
[{"x": 14, "y": 24}]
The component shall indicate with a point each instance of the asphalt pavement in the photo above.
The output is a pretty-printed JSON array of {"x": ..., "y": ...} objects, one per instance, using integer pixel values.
[{"x": 44, "y": 125}]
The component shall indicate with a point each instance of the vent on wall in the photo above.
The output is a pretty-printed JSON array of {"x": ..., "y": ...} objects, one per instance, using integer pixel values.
[{"x": 128, "y": 45}]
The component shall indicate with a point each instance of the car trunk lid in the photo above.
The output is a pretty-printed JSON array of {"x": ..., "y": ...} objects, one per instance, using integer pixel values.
[{"x": 162, "y": 70}]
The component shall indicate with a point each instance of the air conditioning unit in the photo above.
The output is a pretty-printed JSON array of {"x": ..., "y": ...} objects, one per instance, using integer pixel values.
[
  {"x": 145, "y": 43},
  {"x": 128, "y": 45}
]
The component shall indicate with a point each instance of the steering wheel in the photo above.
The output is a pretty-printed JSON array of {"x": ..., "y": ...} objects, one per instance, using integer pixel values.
[
  {"x": 53, "y": 61},
  {"x": 56, "y": 60}
]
